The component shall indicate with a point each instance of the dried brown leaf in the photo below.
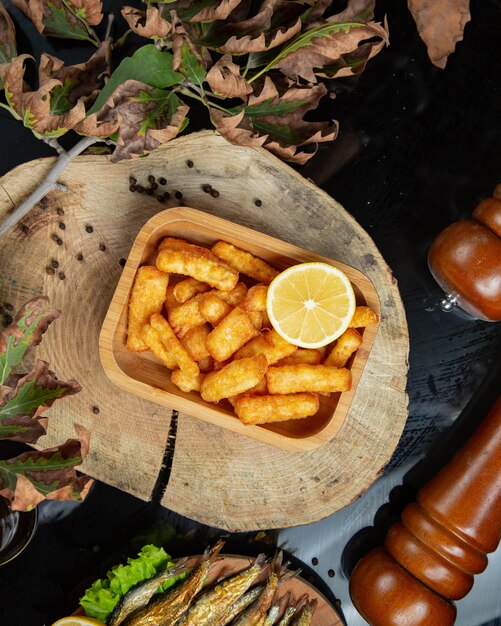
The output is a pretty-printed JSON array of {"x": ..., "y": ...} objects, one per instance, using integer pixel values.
[
  {"x": 25, "y": 398},
  {"x": 183, "y": 34},
  {"x": 440, "y": 24},
  {"x": 256, "y": 34},
  {"x": 217, "y": 11},
  {"x": 275, "y": 121},
  {"x": 231, "y": 129},
  {"x": 225, "y": 80},
  {"x": 33, "y": 107},
  {"x": 58, "y": 18},
  {"x": 149, "y": 23},
  {"x": 83, "y": 81},
  {"x": 50, "y": 474},
  {"x": 143, "y": 116},
  {"x": 7, "y": 37},
  {"x": 327, "y": 48}
]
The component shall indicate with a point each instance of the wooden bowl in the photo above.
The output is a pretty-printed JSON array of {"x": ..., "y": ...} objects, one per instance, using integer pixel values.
[{"x": 142, "y": 374}]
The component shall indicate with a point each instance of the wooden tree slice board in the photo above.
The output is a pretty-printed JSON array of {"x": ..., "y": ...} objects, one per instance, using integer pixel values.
[{"x": 216, "y": 477}]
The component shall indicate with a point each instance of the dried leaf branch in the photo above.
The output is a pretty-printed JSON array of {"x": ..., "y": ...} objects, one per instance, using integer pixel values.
[
  {"x": 253, "y": 66},
  {"x": 32, "y": 476}
]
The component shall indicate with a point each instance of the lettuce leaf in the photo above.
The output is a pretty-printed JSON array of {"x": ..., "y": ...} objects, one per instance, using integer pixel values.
[{"x": 102, "y": 597}]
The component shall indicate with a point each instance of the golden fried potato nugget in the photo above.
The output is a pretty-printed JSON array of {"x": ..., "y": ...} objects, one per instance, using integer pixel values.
[
  {"x": 147, "y": 297},
  {"x": 231, "y": 334},
  {"x": 345, "y": 346},
  {"x": 256, "y": 318},
  {"x": 233, "y": 297},
  {"x": 363, "y": 316},
  {"x": 303, "y": 355},
  {"x": 152, "y": 339},
  {"x": 255, "y": 300},
  {"x": 186, "y": 316},
  {"x": 187, "y": 288},
  {"x": 172, "y": 344},
  {"x": 195, "y": 342},
  {"x": 213, "y": 308},
  {"x": 287, "y": 379},
  {"x": 233, "y": 379},
  {"x": 271, "y": 344},
  {"x": 186, "y": 382},
  {"x": 206, "y": 365},
  {"x": 245, "y": 262},
  {"x": 171, "y": 243},
  {"x": 266, "y": 409},
  {"x": 170, "y": 300},
  {"x": 214, "y": 272}
]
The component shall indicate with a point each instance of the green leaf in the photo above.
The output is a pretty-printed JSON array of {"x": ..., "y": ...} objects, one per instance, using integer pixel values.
[
  {"x": 30, "y": 477},
  {"x": 279, "y": 132},
  {"x": 267, "y": 107},
  {"x": 191, "y": 66},
  {"x": 59, "y": 100},
  {"x": 148, "y": 65},
  {"x": 58, "y": 24},
  {"x": 29, "y": 398},
  {"x": 24, "y": 333}
]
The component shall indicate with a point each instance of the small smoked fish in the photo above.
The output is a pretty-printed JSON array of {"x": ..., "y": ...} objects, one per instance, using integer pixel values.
[
  {"x": 306, "y": 614},
  {"x": 256, "y": 613},
  {"x": 277, "y": 609},
  {"x": 214, "y": 604},
  {"x": 287, "y": 616},
  {"x": 241, "y": 604},
  {"x": 141, "y": 594},
  {"x": 168, "y": 608}
]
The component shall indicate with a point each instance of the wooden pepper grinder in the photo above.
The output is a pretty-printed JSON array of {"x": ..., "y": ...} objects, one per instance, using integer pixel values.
[
  {"x": 465, "y": 260},
  {"x": 430, "y": 557}
]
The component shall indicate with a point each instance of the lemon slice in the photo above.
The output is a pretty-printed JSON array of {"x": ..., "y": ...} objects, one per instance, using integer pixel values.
[
  {"x": 310, "y": 304},
  {"x": 77, "y": 620}
]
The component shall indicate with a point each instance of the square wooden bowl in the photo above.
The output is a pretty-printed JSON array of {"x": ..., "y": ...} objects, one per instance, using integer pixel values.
[{"x": 142, "y": 374}]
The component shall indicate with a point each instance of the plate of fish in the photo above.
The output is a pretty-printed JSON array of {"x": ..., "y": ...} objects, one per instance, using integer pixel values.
[{"x": 211, "y": 589}]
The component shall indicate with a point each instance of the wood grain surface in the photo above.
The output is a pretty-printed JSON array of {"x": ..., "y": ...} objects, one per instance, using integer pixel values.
[{"x": 70, "y": 247}]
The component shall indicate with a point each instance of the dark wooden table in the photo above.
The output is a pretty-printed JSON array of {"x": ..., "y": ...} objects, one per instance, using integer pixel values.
[{"x": 419, "y": 147}]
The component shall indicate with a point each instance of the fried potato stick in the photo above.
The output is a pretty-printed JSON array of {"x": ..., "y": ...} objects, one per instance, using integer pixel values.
[
  {"x": 255, "y": 300},
  {"x": 234, "y": 378},
  {"x": 186, "y": 316},
  {"x": 288, "y": 379},
  {"x": 194, "y": 341},
  {"x": 271, "y": 344},
  {"x": 233, "y": 297},
  {"x": 214, "y": 272},
  {"x": 187, "y": 288},
  {"x": 186, "y": 382},
  {"x": 245, "y": 262},
  {"x": 213, "y": 308},
  {"x": 363, "y": 316},
  {"x": 231, "y": 334},
  {"x": 171, "y": 243},
  {"x": 170, "y": 300},
  {"x": 152, "y": 339},
  {"x": 345, "y": 346},
  {"x": 171, "y": 343},
  {"x": 256, "y": 318},
  {"x": 147, "y": 297},
  {"x": 303, "y": 355},
  {"x": 267, "y": 409}
]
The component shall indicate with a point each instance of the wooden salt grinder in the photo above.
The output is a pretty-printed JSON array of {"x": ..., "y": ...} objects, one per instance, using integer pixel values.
[{"x": 430, "y": 557}]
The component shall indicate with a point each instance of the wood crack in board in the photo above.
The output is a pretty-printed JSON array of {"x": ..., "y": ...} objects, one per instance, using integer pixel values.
[{"x": 164, "y": 473}]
